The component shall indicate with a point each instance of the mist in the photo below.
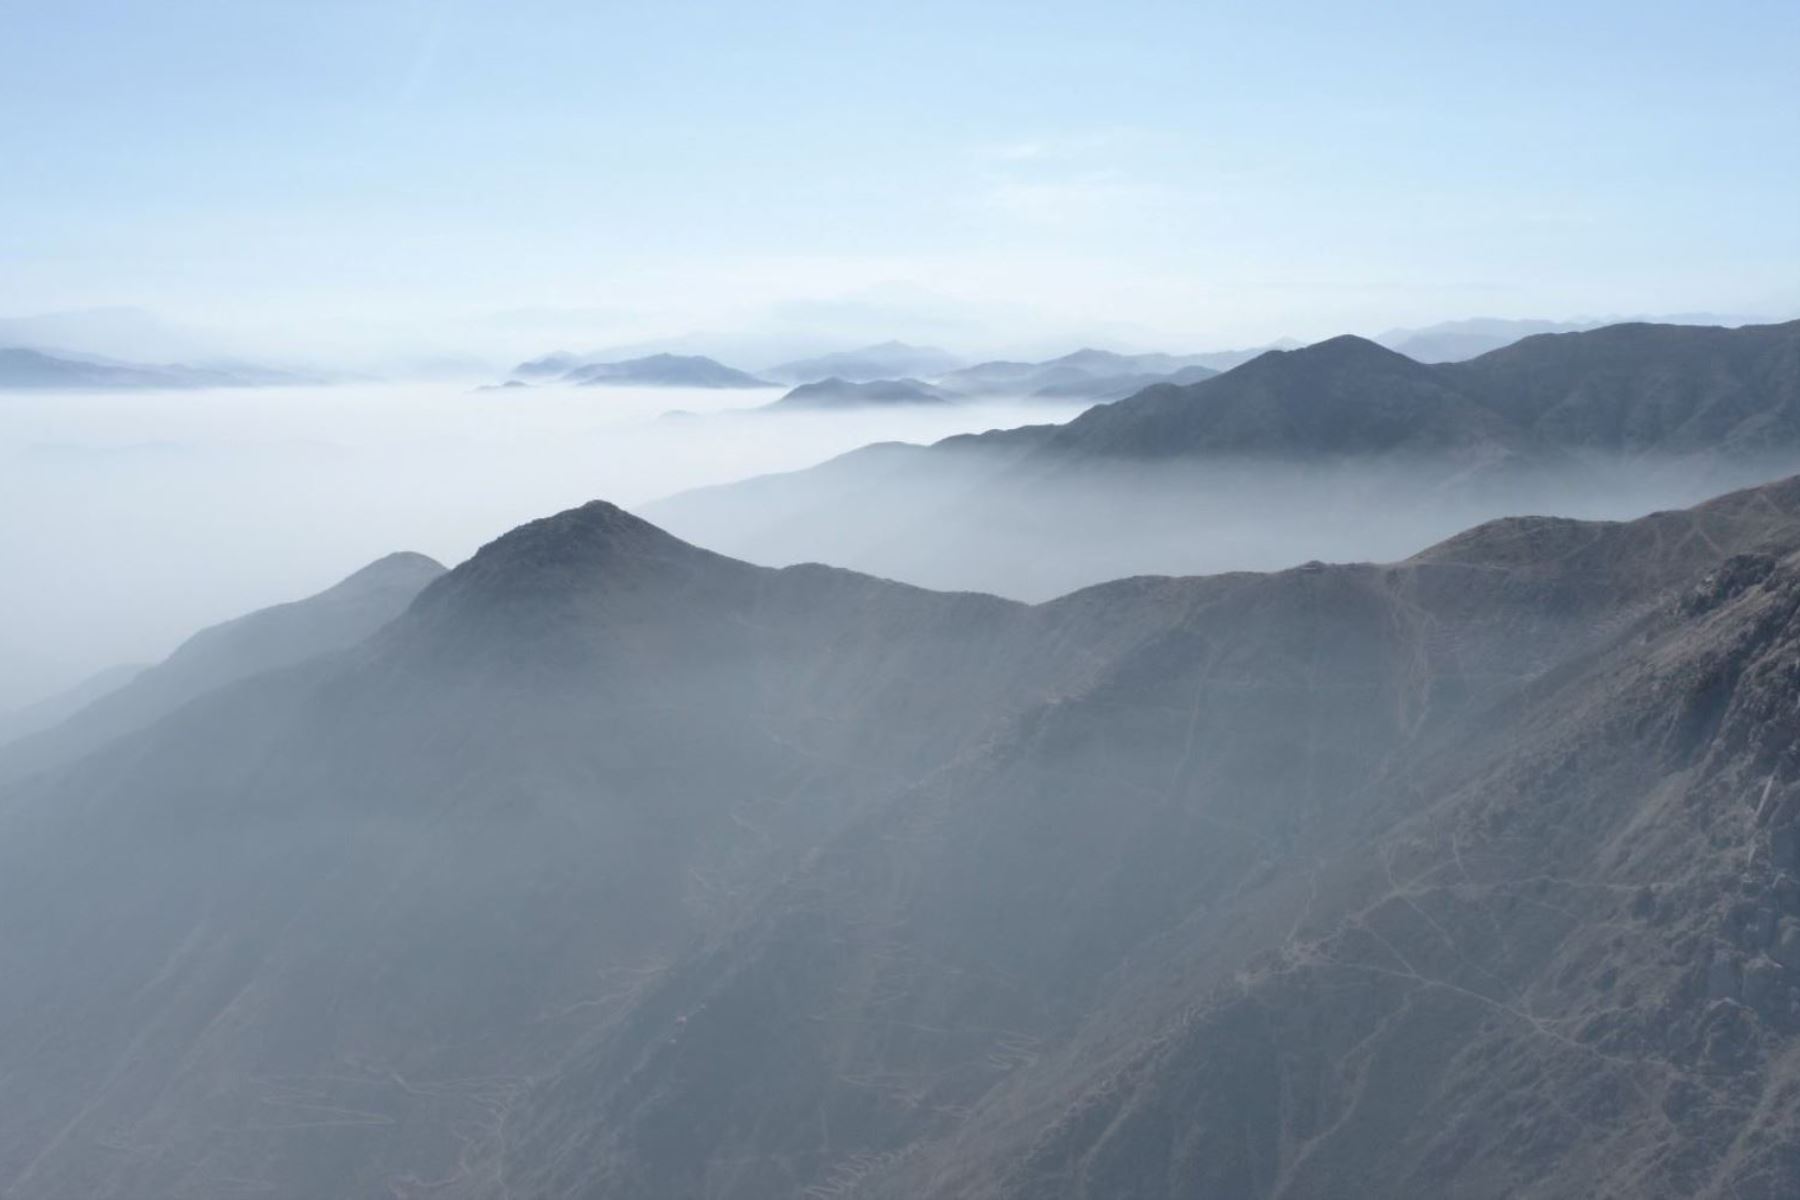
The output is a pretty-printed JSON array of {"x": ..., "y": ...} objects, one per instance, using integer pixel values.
[
  {"x": 964, "y": 517},
  {"x": 130, "y": 519}
]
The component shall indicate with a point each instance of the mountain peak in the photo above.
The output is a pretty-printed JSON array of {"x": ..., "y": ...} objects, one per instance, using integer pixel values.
[
  {"x": 585, "y": 551},
  {"x": 402, "y": 566},
  {"x": 1343, "y": 349}
]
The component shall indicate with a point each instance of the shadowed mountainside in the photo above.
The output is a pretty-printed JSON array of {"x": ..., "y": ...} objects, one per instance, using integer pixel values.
[{"x": 616, "y": 867}]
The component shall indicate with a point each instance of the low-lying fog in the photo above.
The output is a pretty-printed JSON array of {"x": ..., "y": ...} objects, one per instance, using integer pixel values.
[
  {"x": 130, "y": 519},
  {"x": 971, "y": 521}
]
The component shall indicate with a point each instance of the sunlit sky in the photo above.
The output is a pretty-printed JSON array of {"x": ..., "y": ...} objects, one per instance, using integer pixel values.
[{"x": 1190, "y": 175}]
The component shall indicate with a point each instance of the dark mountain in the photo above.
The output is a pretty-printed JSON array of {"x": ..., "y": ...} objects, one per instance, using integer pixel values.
[
  {"x": 270, "y": 638},
  {"x": 889, "y": 360},
  {"x": 1644, "y": 389},
  {"x": 614, "y": 867},
  {"x": 1343, "y": 446},
  {"x": 841, "y": 393},
  {"x": 28, "y": 369},
  {"x": 1345, "y": 396},
  {"x": 664, "y": 370}
]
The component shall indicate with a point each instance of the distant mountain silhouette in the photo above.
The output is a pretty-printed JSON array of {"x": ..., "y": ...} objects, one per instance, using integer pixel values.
[
  {"x": 616, "y": 867},
  {"x": 1454, "y": 341},
  {"x": 28, "y": 369},
  {"x": 888, "y": 360},
  {"x": 1092, "y": 370},
  {"x": 1104, "y": 389},
  {"x": 664, "y": 370},
  {"x": 550, "y": 366},
  {"x": 842, "y": 393}
]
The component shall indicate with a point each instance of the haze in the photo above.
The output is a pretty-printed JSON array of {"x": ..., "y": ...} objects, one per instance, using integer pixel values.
[
  {"x": 212, "y": 503},
  {"x": 1018, "y": 600},
  {"x": 386, "y": 181}
]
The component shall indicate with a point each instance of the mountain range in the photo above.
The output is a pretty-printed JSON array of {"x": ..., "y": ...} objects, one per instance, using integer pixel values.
[
  {"x": 842, "y": 393},
  {"x": 888, "y": 360},
  {"x": 1341, "y": 446},
  {"x": 22, "y": 368},
  {"x": 611, "y": 866},
  {"x": 1454, "y": 341},
  {"x": 664, "y": 370},
  {"x": 1081, "y": 369}
]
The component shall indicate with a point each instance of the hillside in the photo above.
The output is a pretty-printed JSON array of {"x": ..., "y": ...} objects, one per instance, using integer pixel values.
[
  {"x": 616, "y": 867},
  {"x": 842, "y": 393},
  {"x": 1339, "y": 448},
  {"x": 663, "y": 370},
  {"x": 279, "y": 636},
  {"x": 888, "y": 360}
]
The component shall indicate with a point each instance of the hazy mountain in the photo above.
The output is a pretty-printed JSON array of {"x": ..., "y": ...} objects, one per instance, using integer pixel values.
[
  {"x": 664, "y": 370},
  {"x": 1454, "y": 341},
  {"x": 1340, "y": 447},
  {"x": 22, "y": 368},
  {"x": 1082, "y": 369},
  {"x": 1347, "y": 870},
  {"x": 550, "y": 366},
  {"x": 614, "y": 867},
  {"x": 888, "y": 360},
  {"x": 1103, "y": 389},
  {"x": 53, "y": 710},
  {"x": 842, "y": 393},
  {"x": 270, "y": 638},
  {"x": 118, "y": 333}
]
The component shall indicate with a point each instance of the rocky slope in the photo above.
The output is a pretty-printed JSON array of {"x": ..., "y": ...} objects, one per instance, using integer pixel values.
[{"x": 617, "y": 867}]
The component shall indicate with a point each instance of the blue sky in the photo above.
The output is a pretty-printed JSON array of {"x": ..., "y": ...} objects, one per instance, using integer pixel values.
[{"x": 1189, "y": 175}]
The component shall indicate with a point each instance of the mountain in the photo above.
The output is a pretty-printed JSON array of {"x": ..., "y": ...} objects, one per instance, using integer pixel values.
[
  {"x": 112, "y": 334},
  {"x": 1092, "y": 370},
  {"x": 1342, "y": 447},
  {"x": 842, "y": 393},
  {"x": 664, "y": 370},
  {"x": 54, "y": 710},
  {"x": 265, "y": 640},
  {"x": 27, "y": 369},
  {"x": 1454, "y": 341},
  {"x": 550, "y": 366},
  {"x": 616, "y": 867},
  {"x": 1104, "y": 389},
  {"x": 888, "y": 360}
]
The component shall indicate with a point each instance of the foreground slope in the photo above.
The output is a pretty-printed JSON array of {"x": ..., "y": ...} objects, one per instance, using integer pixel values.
[
  {"x": 259, "y": 940},
  {"x": 616, "y": 867},
  {"x": 1149, "y": 941}
]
